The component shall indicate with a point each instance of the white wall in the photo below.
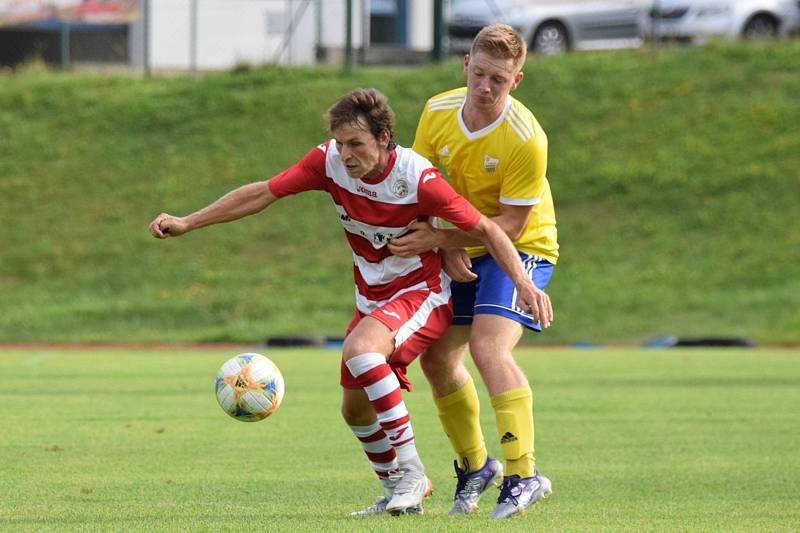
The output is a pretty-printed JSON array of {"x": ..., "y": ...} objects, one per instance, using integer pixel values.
[
  {"x": 333, "y": 23},
  {"x": 230, "y": 32},
  {"x": 420, "y": 25}
]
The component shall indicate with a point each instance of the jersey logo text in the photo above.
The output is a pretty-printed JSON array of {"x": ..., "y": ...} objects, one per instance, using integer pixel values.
[{"x": 371, "y": 194}]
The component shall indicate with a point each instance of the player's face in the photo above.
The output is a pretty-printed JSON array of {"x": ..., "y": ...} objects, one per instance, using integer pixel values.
[
  {"x": 489, "y": 80},
  {"x": 363, "y": 155}
]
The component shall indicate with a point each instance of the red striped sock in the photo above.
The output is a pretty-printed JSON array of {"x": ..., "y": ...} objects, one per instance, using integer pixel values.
[
  {"x": 381, "y": 455},
  {"x": 375, "y": 375}
]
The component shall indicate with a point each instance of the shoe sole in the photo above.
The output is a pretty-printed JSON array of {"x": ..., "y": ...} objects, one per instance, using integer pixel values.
[{"x": 415, "y": 509}]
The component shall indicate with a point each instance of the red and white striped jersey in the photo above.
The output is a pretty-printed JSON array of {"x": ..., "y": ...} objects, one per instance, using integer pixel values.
[{"x": 374, "y": 211}]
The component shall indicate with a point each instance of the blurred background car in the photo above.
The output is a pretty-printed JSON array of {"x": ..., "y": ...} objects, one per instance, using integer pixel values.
[
  {"x": 553, "y": 27},
  {"x": 697, "y": 20}
]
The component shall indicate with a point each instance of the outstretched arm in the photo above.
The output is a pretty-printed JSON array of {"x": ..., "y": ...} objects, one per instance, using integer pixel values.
[
  {"x": 529, "y": 298},
  {"x": 512, "y": 220},
  {"x": 246, "y": 200}
]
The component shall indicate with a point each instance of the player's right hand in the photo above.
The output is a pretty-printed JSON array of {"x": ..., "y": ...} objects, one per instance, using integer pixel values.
[
  {"x": 457, "y": 265},
  {"x": 536, "y": 302},
  {"x": 165, "y": 225}
]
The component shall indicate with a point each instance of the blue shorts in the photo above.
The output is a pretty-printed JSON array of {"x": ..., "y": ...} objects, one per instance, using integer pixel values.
[{"x": 493, "y": 293}]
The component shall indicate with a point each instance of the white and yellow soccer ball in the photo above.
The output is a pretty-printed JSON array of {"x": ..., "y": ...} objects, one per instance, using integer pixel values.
[{"x": 249, "y": 387}]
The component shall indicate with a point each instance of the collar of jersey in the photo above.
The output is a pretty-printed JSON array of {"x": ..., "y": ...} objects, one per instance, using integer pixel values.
[
  {"x": 385, "y": 172},
  {"x": 471, "y": 135}
]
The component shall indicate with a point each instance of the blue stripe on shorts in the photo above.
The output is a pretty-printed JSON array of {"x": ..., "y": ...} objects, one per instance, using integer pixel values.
[{"x": 493, "y": 293}]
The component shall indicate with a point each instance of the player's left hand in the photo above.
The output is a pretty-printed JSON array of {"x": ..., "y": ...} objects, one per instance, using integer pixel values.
[
  {"x": 421, "y": 237},
  {"x": 536, "y": 302}
]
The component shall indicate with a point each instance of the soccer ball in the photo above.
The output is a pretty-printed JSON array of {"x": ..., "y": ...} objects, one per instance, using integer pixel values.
[{"x": 249, "y": 387}]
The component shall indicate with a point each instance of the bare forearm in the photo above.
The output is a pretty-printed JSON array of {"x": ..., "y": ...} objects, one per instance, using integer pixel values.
[
  {"x": 503, "y": 251},
  {"x": 246, "y": 200},
  {"x": 456, "y": 238}
]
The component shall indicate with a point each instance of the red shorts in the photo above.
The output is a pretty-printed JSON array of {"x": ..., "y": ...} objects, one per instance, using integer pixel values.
[{"x": 418, "y": 319}]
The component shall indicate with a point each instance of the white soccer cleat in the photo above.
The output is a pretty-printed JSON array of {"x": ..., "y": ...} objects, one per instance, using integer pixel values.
[
  {"x": 378, "y": 507},
  {"x": 412, "y": 486}
]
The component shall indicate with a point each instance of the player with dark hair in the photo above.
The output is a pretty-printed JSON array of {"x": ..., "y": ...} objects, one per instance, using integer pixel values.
[
  {"x": 402, "y": 303},
  {"x": 495, "y": 155}
]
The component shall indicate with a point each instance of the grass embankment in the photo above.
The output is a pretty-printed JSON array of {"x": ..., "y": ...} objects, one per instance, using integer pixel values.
[
  {"x": 675, "y": 176},
  {"x": 696, "y": 440}
]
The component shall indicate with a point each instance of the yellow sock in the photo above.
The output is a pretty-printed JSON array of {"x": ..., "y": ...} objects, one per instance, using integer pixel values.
[
  {"x": 514, "y": 413},
  {"x": 459, "y": 413}
]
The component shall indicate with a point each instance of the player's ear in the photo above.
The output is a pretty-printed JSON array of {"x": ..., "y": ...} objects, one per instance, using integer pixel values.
[
  {"x": 466, "y": 63},
  {"x": 517, "y": 79},
  {"x": 385, "y": 139}
]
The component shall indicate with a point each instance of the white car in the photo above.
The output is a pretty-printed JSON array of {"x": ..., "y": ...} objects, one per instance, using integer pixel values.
[
  {"x": 552, "y": 26},
  {"x": 697, "y": 20}
]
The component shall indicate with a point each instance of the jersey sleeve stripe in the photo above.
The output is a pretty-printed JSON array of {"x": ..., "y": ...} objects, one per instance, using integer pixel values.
[
  {"x": 440, "y": 107},
  {"x": 516, "y": 130},
  {"x": 450, "y": 98},
  {"x": 519, "y": 201},
  {"x": 517, "y": 127},
  {"x": 522, "y": 121}
]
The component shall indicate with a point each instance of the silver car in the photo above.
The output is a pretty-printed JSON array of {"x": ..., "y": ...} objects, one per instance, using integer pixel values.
[
  {"x": 552, "y": 27},
  {"x": 696, "y": 20}
]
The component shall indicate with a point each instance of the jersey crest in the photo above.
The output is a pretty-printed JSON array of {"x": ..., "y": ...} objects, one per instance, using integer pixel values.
[
  {"x": 400, "y": 188},
  {"x": 490, "y": 163}
]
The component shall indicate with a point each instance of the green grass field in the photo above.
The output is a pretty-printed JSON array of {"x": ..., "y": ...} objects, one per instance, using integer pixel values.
[
  {"x": 674, "y": 173},
  {"x": 120, "y": 440}
]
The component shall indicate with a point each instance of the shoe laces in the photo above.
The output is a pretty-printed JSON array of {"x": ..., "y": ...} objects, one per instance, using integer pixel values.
[
  {"x": 509, "y": 483},
  {"x": 390, "y": 482},
  {"x": 395, "y": 476},
  {"x": 462, "y": 476},
  {"x": 466, "y": 484},
  {"x": 406, "y": 480}
]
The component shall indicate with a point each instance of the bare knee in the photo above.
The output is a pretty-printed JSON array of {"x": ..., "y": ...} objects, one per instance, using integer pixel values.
[
  {"x": 354, "y": 346},
  {"x": 445, "y": 372},
  {"x": 434, "y": 366},
  {"x": 369, "y": 336},
  {"x": 490, "y": 356},
  {"x": 497, "y": 368}
]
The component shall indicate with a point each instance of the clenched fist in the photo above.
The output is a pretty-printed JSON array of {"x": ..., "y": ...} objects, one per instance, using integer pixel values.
[{"x": 165, "y": 225}]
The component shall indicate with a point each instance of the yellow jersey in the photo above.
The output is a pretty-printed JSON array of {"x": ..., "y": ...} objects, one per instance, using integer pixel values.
[{"x": 503, "y": 163}]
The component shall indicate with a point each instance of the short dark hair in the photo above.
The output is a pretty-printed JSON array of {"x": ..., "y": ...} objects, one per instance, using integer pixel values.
[{"x": 371, "y": 105}]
